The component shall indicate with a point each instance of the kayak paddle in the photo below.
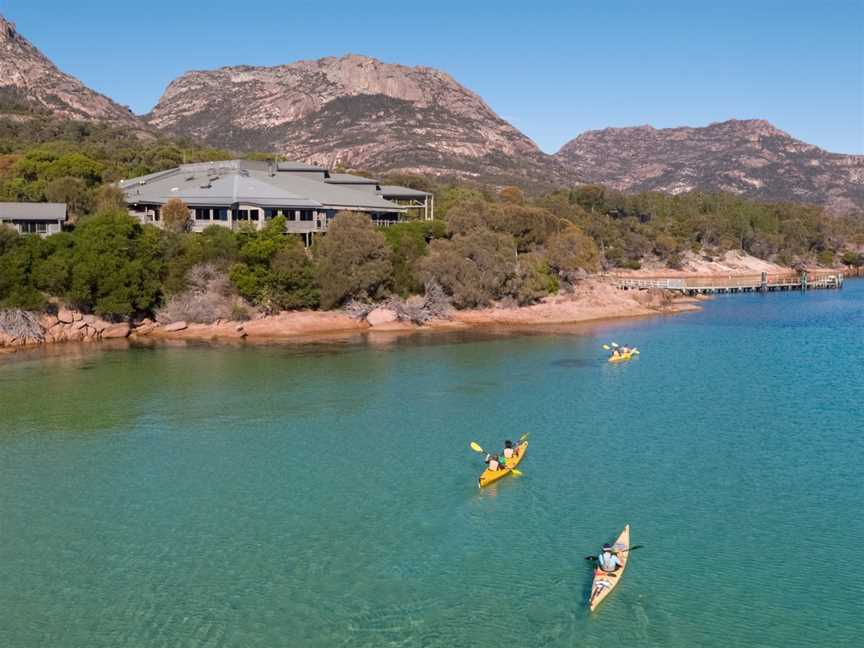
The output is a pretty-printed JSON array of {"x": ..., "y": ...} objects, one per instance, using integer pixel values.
[
  {"x": 634, "y": 548},
  {"x": 476, "y": 447}
]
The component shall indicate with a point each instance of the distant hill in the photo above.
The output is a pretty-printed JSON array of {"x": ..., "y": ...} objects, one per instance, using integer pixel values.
[
  {"x": 747, "y": 157},
  {"x": 357, "y": 112},
  {"x": 29, "y": 81}
]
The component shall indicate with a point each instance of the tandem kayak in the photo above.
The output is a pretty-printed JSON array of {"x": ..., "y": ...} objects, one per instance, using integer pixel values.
[
  {"x": 605, "y": 582},
  {"x": 490, "y": 476},
  {"x": 624, "y": 356}
]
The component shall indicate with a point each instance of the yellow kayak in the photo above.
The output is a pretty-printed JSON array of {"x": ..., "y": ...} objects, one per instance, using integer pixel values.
[
  {"x": 604, "y": 582},
  {"x": 490, "y": 476},
  {"x": 624, "y": 356}
]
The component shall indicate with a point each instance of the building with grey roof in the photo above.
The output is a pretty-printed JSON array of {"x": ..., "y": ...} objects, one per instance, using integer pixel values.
[
  {"x": 235, "y": 193},
  {"x": 43, "y": 219}
]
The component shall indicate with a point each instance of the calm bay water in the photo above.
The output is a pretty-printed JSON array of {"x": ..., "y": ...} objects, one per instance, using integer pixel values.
[{"x": 326, "y": 495}]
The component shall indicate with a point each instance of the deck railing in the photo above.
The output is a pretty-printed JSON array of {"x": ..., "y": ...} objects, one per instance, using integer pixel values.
[{"x": 716, "y": 283}]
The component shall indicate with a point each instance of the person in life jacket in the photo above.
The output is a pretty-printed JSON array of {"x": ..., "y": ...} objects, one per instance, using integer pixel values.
[
  {"x": 608, "y": 560},
  {"x": 508, "y": 450},
  {"x": 493, "y": 462}
]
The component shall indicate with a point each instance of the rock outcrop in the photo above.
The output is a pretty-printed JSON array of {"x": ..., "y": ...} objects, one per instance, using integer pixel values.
[
  {"x": 746, "y": 157},
  {"x": 20, "y": 328}
]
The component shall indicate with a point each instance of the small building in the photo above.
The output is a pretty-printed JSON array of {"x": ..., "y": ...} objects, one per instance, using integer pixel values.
[
  {"x": 43, "y": 219},
  {"x": 238, "y": 193}
]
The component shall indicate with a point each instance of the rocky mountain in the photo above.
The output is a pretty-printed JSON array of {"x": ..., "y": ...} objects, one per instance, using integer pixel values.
[
  {"x": 361, "y": 113},
  {"x": 357, "y": 112},
  {"x": 747, "y": 157},
  {"x": 30, "y": 81}
]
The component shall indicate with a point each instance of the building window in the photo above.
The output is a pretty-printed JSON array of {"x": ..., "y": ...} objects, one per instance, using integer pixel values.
[
  {"x": 220, "y": 214},
  {"x": 242, "y": 214},
  {"x": 31, "y": 227},
  {"x": 254, "y": 214},
  {"x": 202, "y": 213},
  {"x": 270, "y": 213},
  {"x": 306, "y": 215}
]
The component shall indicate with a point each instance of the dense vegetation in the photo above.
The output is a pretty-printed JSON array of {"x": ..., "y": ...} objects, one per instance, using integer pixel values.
[{"x": 488, "y": 245}]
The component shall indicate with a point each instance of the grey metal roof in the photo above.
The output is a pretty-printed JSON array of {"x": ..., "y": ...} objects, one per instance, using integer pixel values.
[
  {"x": 33, "y": 211},
  {"x": 230, "y": 182},
  {"x": 395, "y": 191},
  {"x": 348, "y": 179},
  {"x": 298, "y": 166}
]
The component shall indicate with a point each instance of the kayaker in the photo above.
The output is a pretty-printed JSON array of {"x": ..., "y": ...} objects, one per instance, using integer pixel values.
[
  {"x": 493, "y": 462},
  {"x": 608, "y": 560},
  {"x": 508, "y": 450}
]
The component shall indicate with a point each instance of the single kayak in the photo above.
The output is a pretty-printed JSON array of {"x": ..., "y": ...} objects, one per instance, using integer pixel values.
[
  {"x": 490, "y": 476},
  {"x": 624, "y": 356},
  {"x": 605, "y": 582}
]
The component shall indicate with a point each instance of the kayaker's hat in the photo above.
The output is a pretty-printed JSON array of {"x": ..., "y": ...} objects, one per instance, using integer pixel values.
[
  {"x": 508, "y": 444},
  {"x": 607, "y": 547}
]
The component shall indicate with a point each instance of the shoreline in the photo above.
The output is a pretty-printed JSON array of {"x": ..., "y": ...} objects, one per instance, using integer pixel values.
[{"x": 591, "y": 301}]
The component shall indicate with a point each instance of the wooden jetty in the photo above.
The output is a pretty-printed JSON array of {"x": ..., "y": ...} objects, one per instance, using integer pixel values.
[{"x": 732, "y": 283}]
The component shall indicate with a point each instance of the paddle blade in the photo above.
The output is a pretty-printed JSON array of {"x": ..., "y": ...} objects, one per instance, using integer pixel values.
[
  {"x": 615, "y": 344},
  {"x": 524, "y": 437},
  {"x": 516, "y": 473},
  {"x": 606, "y": 346},
  {"x": 476, "y": 447}
]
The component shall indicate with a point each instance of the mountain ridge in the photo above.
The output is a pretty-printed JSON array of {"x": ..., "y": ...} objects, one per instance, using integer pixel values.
[
  {"x": 748, "y": 157},
  {"x": 358, "y": 112}
]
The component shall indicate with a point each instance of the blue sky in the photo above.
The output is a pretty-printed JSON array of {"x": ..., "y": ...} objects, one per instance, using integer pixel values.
[{"x": 553, "y": 69}]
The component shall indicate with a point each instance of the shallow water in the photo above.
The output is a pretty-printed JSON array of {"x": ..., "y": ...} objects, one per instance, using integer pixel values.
[{"x": 326, "y": 495}]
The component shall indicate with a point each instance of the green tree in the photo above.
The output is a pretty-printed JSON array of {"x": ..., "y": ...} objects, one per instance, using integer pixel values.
[
  {"x": 571, "y": 251},
  {"x": 352, "y": 261},
  {"x": 117, "y": 266},
  {"x": 273, "y": 271},
  {"x": 72, "y": 191},
  {"x": 409, "y": 242},
  {"x": 473, "y": 268},
  {"x": 853, "y": 259}
]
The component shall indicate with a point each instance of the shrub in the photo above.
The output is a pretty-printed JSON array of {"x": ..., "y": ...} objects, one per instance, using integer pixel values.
[
  {"x": 352, "y": 261},
  {"x": 209, "y": 297},
  {"x": 570, "y": 251},
  {"x": 409, "y": 242},
  {"x": 116, "y": 266},
  {"x": 853, "y": 259},
  {"x": 473, "y": 269},
  {"x": 273, "y": 271},
  {"x": 175, "y": 216},
  {"x": 826, "y": 258},
  {"x": 533, "y": 280}
]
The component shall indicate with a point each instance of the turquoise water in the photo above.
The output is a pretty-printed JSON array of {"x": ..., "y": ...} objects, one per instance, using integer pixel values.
[{"x": 326, "y": 495}]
